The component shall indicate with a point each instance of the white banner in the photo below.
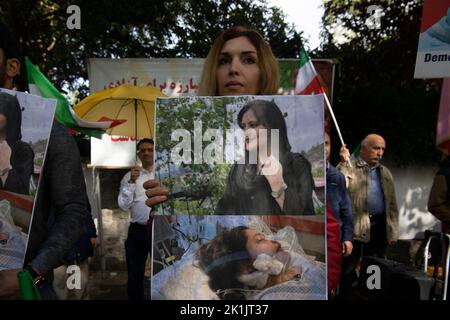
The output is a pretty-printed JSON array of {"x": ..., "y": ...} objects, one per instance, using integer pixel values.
[{"x": 174, "y": 77}]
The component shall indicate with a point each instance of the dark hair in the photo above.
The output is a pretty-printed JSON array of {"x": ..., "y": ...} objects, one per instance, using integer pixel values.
[
  {"x": 267, "y": 63},
  {"x": 145, "y": 140},
  {"x": 224, "y": 258},
  {"x": 269, "y": 115},
  {"x": 10, "y": 108}
]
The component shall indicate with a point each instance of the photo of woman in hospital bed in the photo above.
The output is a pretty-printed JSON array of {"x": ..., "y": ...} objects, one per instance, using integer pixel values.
[{"x": 245, "y": 260}]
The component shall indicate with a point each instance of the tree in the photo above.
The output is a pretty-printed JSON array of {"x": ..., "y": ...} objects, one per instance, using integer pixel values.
[
  {"x": 118, "y": 29},
  {"x": 374, "y": 86}
]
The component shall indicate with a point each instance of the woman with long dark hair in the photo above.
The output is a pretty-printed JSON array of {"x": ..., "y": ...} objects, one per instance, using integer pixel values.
[
  {"x": 16, "y": 156},
  {"x": 273, "y": 184}
]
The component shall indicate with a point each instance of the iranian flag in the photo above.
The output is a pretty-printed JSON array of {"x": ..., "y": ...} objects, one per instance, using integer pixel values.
[
  {"x": 443, "y": 121},
  {"x": 307, "y": 81},
  {"x": 64, "y": 114}
]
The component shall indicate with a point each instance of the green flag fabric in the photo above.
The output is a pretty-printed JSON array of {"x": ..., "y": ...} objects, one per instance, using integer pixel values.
[
  {"x": 28, "y": 290},
  {"x": 40, "y": 85}
]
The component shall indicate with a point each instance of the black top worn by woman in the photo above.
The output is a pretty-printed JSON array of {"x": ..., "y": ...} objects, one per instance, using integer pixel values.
[
  {"x": 22, "y": 155},
  {"x": 253, "y": 195}
]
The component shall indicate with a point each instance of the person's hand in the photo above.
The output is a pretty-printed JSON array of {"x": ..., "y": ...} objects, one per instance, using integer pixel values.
[
  {"x": 155, "y": 193},
  {"x": 93, "y": 241},
  {"x": 344, "y": 154},
  {"x": 135, "y": 172},
  {"x": 9, "y": 285},
  {"x": 347, "y": 248},
  {"x": 273, "y": 171},
  {"x": 5, "y": 156}
]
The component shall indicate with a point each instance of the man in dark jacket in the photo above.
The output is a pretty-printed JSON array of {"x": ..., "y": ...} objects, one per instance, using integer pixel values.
[
  {"x": 78, "y": 258},
  {"x": 62, "y": 194}
]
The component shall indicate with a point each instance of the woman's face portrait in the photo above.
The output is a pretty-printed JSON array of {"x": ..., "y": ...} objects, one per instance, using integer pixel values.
[
  {"x": 253, "y": 138},
  {"x": 238, "y": 72},
  {"x": 258, "y": 244}
]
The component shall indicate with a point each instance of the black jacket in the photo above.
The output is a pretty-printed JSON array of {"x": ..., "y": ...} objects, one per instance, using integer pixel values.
[
  {"x": 22, "y": 168},
  {"x": 61, "y": 206},
  {"x": 22, "y": 155},
  {"x": 256, "y": 199}
]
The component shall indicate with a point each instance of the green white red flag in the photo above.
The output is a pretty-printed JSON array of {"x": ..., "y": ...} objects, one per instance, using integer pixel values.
[
  {"x": 307, "y": 81},
  {"x": 64, "y": 114}
]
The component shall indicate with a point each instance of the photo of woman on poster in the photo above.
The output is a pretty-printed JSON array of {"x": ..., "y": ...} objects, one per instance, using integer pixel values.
[
  {"x": 273, "y": 184},
  {"x": 244, "y": 258},
  {"x": 16, "y": 156}
]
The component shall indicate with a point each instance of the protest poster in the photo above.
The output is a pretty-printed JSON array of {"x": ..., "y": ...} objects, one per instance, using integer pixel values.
[
  {"x": 25, "y": 124},
  {"x": 210, "y": 163}
]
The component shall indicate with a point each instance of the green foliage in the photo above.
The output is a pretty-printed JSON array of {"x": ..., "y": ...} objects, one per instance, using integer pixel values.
[{"x": 374, "y": 86}]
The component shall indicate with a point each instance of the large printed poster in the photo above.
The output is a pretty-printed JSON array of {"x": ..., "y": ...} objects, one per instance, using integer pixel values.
[
  {"x": 433, "y": 54},
  {"x": 174, "y": 77},
  {"x": 25, "y": 124},
  {"x": 238, "y": 258}
]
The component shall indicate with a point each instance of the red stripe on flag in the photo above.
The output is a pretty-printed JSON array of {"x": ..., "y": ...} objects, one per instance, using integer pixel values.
[
  {"x": 314, "y": 87},
  {"x": 114, "y": 122}
]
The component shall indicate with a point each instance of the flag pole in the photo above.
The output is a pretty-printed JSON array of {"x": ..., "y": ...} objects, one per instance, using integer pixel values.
[
  {"x": 334, "y": 118},
  {"x": 335, "y": 124}
]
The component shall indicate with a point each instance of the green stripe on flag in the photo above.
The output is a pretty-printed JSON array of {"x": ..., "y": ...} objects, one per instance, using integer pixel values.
[
  {"x": 304, "y": 57},
  {"x": 48, "y": 90},
  {"x": 28, "y": 290},
  {"x": 356, "y": 152}
]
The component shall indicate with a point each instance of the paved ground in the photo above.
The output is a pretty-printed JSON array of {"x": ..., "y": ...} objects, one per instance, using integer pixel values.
[{"x": 111, "y": 285}]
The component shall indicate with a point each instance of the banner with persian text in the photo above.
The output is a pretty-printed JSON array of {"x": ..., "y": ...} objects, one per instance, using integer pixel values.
[{"x": 174, "y": 77}]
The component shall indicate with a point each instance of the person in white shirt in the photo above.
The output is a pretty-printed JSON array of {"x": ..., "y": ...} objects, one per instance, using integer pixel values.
[{"x": 132, "y": 196}]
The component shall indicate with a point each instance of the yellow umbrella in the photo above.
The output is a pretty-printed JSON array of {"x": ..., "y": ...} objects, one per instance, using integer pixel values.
[{"x": 132, "y": 104}]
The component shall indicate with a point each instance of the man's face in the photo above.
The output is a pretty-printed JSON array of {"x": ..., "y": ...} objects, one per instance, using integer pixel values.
[
  {"x": 373, "y": 150},
  {"x": 145, "y": 153}
]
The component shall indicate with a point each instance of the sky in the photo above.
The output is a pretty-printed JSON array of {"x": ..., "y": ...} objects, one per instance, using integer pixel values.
[{"x": 306, "y": 15}]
